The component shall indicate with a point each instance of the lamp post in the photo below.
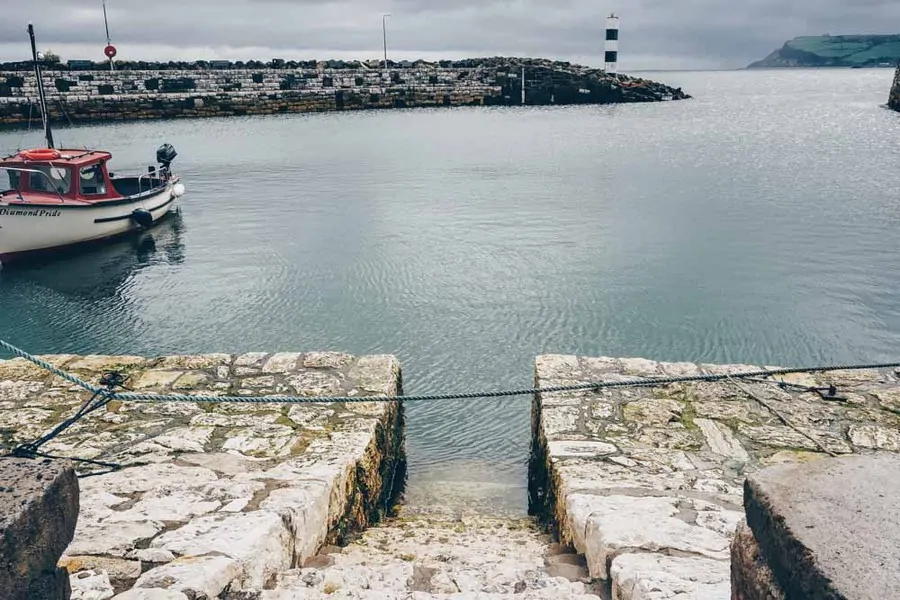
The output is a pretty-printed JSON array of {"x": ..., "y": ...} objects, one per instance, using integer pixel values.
[{"x": 384, "y": 37}]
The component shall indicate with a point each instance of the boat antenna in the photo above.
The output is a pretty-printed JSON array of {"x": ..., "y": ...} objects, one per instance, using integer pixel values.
[{"x": 40, "y": 85}]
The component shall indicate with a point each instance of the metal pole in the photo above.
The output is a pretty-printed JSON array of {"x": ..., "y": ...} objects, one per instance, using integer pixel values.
[
  {"x": 40, "y": 84},
  {"x": 384, "y": 37},
  {"x": 106, "y": 24},
  {"x": 523, "y": 85}
]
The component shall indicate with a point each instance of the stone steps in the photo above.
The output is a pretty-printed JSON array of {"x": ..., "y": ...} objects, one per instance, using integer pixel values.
[
  {"x": 432, "y": 555},
  {"x": 456, "y": 497}
]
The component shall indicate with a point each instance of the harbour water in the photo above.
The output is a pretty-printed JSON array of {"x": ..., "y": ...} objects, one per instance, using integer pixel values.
[{"x": 756, "y": 223}]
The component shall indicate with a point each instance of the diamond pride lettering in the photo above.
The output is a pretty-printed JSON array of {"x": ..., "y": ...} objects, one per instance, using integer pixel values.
[{"x": 29, "y": 212}]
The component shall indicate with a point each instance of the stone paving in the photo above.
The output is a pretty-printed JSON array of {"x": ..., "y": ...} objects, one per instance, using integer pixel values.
[
  {"x": 647, "y": 482},
  {"x": 642, "y": 487},
  {"x": 213, "y": 498}
]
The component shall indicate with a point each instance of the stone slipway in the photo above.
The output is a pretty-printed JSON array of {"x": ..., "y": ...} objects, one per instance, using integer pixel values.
[
  {"x": 647, "y": 483},
  {"x": 441, "y": 555},
  {"x": 213, "y": 499}
]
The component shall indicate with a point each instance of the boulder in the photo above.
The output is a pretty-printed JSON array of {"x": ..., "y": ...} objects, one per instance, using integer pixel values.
[
  {"x": 38, "y": 511},
  {"x": 828, "y": 528}
]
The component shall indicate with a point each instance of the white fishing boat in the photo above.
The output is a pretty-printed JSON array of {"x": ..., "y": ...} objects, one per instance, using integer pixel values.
[{"x": 53, "y": 199}]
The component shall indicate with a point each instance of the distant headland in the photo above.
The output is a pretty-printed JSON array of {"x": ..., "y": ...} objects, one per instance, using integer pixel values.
[{"x": 835, "y": 51}]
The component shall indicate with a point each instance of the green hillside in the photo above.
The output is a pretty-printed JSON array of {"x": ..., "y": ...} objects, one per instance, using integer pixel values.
[{"x": 835, "y": 51}]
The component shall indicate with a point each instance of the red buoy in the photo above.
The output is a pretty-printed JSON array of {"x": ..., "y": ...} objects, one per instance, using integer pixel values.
[{"x": 109, "y": 51}]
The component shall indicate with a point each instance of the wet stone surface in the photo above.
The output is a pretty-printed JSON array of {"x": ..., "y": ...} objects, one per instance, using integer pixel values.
[
  {"x": 439, "y": 555},
  {"x": 647, "y": 483},
  {"x": 212, "y": 497}
]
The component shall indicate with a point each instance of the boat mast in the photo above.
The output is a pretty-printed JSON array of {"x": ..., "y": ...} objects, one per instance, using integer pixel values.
[
  {"x": 108, "y": 43},
  {"x": 40, "y": 85}
]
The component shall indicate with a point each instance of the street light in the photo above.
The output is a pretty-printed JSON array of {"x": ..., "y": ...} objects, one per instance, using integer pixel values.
[{"x": 384, "y": 36}]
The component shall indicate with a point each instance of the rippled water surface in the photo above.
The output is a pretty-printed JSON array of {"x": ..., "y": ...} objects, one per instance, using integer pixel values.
[{"x": 756, "y": 223}]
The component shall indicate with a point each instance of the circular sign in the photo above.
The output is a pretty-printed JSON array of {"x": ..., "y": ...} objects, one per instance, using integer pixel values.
[{"x": 109, "y": 51}]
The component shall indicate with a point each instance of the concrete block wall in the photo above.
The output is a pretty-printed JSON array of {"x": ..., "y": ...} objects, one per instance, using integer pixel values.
[
  {"x": 96, "y": 96},
  {"x": 83, "y": 85}
]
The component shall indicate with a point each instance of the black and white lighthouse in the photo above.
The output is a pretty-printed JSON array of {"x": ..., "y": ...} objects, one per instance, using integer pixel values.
[{"x": 612, "y": 44}]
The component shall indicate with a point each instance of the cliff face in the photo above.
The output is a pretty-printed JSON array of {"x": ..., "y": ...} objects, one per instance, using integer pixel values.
[
  {"x": 93, "y": 95},
  {"x": 835, "y": 51},
  {"x": 894, "y": 98}
]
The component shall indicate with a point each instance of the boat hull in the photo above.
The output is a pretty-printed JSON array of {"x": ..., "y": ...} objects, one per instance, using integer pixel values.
[{"x": 28, "y": 230}]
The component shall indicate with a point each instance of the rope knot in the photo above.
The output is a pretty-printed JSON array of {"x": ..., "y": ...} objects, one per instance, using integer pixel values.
[
  {"x": 112, "y": 379},
  {"x": 100, "y": 397}
]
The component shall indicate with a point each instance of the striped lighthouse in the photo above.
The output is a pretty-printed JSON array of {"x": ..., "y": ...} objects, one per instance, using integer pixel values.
[{"x": 612, "y": 44}]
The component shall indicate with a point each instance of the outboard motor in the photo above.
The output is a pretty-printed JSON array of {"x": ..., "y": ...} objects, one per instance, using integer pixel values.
[{"x": 165, "y": 154}]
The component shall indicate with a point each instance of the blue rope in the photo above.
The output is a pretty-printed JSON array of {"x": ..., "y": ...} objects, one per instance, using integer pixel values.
[
  {"x": 641, "y": 382},
  {"x": 48, "y": 367}
]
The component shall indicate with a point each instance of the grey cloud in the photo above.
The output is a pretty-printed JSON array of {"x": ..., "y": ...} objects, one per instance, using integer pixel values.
[{"x": 686, "y": 33}]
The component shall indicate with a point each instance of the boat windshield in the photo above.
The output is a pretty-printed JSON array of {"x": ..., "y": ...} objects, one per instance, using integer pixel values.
[
  {"x": 43, "y": 178},
  {"x": 15, "y": 180},
  {"x": 47, "y": 178}
]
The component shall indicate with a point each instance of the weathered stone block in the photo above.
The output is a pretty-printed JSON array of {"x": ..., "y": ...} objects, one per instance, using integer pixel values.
[
  {"x": 616, "y": 524},
  {"x": 259, "y": 542},
  {"x": 654, "y": 577},
  {"x": 38, "y": 511},
  {"x": 194, "y": 576},
  {"x": 91, "y": 585},
  {"x": 751, "y": 577},
  {"x": 51, "y": 585},
  {"x": 828, "y": 528}
]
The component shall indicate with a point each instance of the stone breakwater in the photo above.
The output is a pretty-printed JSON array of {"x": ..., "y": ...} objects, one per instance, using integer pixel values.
[
  {"x": 213, "y": 498},
  {"x": 647, "y": 484},
  {"x": 78, "y": 96},
  {"x": 894, "y": 98}
]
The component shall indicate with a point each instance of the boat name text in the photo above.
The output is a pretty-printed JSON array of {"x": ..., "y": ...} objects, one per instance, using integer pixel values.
[{"x": 29, "y": 212}]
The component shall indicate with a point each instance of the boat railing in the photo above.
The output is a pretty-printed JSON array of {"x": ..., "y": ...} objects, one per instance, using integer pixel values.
[
  {"x": 24, "y": 170},
  {"x": 158, "y": 174}
]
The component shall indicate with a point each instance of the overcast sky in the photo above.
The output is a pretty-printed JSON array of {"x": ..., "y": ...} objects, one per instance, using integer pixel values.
[{"x": 655, "y": 34}]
